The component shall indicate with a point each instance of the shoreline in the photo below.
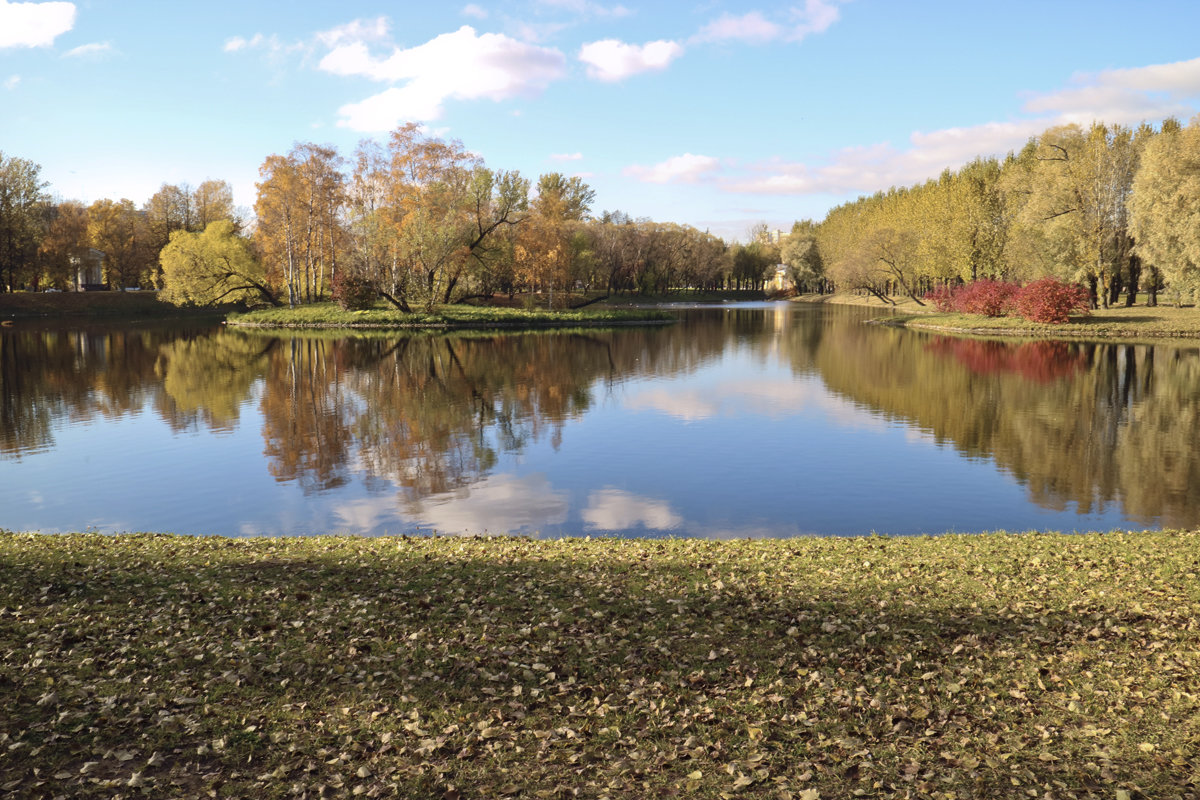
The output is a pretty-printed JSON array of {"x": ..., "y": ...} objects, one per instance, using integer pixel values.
[
  {"x": 1132, "y": 324},
  {"x": 449, "y": 326}
]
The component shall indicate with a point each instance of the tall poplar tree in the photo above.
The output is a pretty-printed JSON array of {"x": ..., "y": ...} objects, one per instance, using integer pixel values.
[{"x": 1165, "y": 208}]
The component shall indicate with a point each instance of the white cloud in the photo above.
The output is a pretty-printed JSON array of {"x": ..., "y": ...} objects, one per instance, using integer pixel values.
[
  {"x": 472, "y": 10},
  {"x": 90, "y": 51},
  {"x": 34, "y": 24},
  {"x": 816, "y": 17},
  {"x": 536, "y": 31},
  {"x": 566, "y": 157},
  {"x": 255, "y": 42},
  {"x": 236, "y": 43},
  {"x": 460, "y": 65},
  {"x": 614, "y": 509},
  {"x": 611, "y": 60},
  {"x": 686, "y": 168},
  {"x": 1124, "y": 96},
  {"x": 12, "y": 81},
  {"x": 273, "y": 49},
  {"x": 751, "y": 27},
  {"x": 360, "y": 30}
]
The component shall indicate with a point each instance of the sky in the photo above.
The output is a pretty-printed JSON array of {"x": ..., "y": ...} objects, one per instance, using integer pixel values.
[{"x": 719, "y": 115}]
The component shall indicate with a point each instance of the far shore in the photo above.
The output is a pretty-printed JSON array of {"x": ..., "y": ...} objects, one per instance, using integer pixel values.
[{"x": 1139, "y": 322}]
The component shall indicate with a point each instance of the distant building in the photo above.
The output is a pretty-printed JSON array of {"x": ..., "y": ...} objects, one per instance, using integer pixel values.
[
  {"x": 779, "y": 281},
  {"x": 89, "y": 271},
  {"x": 772, "y": 237}
]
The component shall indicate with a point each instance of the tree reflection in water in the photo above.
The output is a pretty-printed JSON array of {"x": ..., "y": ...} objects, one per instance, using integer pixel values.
[
  {"x": 1081, "y": 424},
  {"x": 431, "y": 415},
  {"x": 1042, "y": 362}
]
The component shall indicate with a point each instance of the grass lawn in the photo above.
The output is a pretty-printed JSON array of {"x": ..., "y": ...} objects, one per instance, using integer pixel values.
[
  {"x": 455, "y": 316},
  {"x": 1139, "y": 322},
  {"x": 998, "y": 665}
]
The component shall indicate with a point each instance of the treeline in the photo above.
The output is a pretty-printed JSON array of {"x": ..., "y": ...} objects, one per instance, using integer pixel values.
[
  {"x": 418, "y": 221},
  {"x": 43, "y": 240},
  {"x": 415, "y": 220},
  {"x": 1113, "y": 208}
]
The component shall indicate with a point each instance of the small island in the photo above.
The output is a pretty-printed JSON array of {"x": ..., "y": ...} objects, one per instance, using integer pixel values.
[{"x": 330, "y": 315}]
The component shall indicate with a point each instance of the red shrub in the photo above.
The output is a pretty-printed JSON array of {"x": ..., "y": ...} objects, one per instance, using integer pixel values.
[
  {"x": 353, "y": 292},
  {"x": 987, "y": 297},
  {"x": 942, "y": 298},
  {"x": 1052, "y": 301}
]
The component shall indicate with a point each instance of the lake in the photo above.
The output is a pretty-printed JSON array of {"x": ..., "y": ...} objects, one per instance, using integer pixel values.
[{"x": 755, "y": 420}]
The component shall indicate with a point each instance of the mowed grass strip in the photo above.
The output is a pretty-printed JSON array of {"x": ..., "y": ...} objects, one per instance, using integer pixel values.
[
  {"x": 451, "y": 316},
  {"x": 1136, "y": 323},
  {"x": 993, "y": 665}
]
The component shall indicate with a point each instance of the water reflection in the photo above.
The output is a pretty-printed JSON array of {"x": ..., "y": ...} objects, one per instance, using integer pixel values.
[
  {"x": 1082, "y": 424},
  {"x": 432, "y": 431}
]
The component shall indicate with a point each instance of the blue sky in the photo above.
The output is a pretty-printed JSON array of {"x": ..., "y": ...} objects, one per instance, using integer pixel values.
[{"x": 713, "y": 114}]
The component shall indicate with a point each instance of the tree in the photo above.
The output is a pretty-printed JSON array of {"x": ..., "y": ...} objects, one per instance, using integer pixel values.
[
  {"x": 801, "y": 254},
  {"x": 561, "y": 198},
  {"x": 1078, "y": 186},
  {"x": 21, "y": 199},
  {"x": 66, "y": 239},
  {"x": 1165, "y": 208},
  {"x": 445, "y": 208},
  {"x": 121, "y": 232},
  {"x": 216, "y": 266},
  {"x": 213, "y": 200},
  {"x": 300, "y": 232},
  {"x": 542, "y": 255},
  {"x": 168, "y": 210}
]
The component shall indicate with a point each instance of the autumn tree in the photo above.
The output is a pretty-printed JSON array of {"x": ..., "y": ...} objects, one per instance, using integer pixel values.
[
  {"x": 120, "y": 230},
  {"x": 212, "y": 267},
  {"x": 300, "y": 229},
  {"x": 445, "y": 208},
  {"x": 542, "y": 255},
  {"x": 66, "y": 239},
  {"x": 549, "y": 245},
  {"x": 563, "y": 199},
  {"x": 21, "y": 199},
  {"x": 168, "y": 210},
  {"x": 1078, "y": 186},
  {"x": 801, "y": 253},
  {"x": 1165, "y": 208},
  {"x": 213, "y": 200}
]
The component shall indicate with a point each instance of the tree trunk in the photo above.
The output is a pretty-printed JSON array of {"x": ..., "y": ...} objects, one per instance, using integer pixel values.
[{"x": 1135, "y": 272}]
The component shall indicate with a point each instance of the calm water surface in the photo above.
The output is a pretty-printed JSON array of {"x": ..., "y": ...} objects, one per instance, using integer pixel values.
[{"x": 767, "y": 420}]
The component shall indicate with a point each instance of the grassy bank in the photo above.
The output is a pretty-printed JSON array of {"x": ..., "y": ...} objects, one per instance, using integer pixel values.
[
  {"x": 959, "y": 666},
  {"x": 899, "y": 303},
  {"x": 107, "y": 306},
  {"x": 1126, "y": 324},
  {"x": 1137, "y": 323},
  {"x": 329, "y": 315},
  {"x": 635, "y": 300}
]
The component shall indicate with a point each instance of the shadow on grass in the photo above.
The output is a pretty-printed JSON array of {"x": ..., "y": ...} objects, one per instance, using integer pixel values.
[{"x": 587, "y": 665}]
